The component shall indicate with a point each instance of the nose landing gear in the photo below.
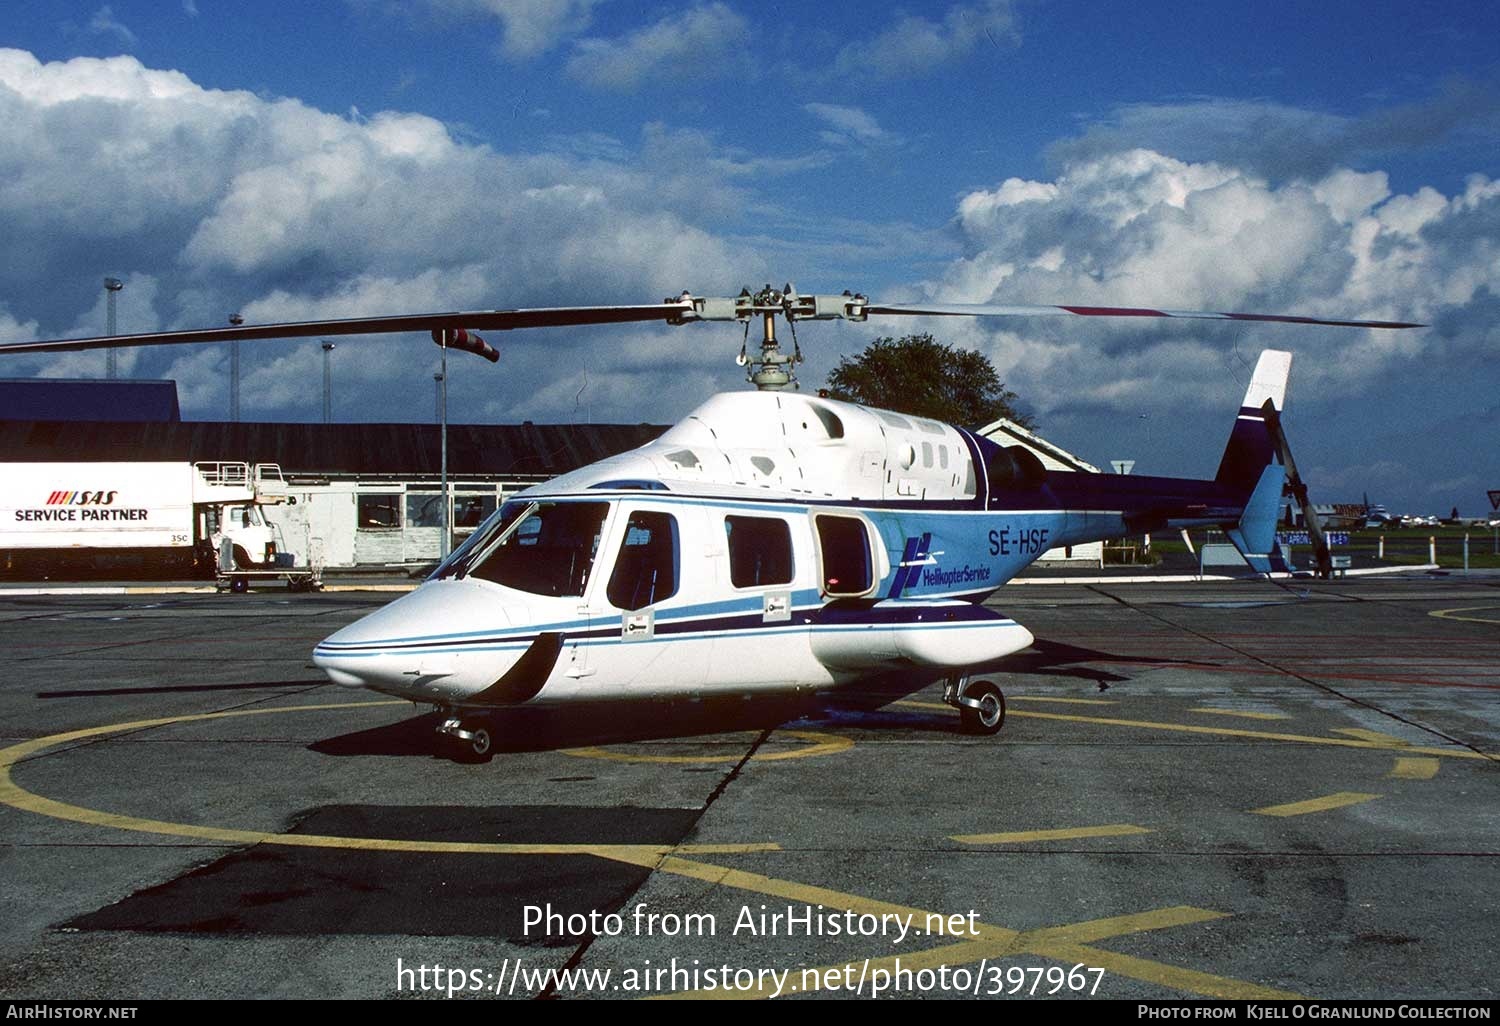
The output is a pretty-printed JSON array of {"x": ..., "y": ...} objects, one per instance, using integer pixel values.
[
  {"x": 980, "y": 704},
  {"x": 471, "y": 739}
]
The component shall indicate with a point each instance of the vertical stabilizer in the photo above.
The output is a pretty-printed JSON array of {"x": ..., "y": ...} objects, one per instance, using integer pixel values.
[
  {"x": 1251, "y": 449},
  {"x": 1252, "y": 462}
]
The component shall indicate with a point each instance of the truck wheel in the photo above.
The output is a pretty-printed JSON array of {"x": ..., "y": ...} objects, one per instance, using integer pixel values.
[{"x": 242, "y": 559}]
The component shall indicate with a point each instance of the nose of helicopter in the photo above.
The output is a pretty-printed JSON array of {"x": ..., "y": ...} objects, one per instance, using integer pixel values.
[{"x": 420, "y": 638}]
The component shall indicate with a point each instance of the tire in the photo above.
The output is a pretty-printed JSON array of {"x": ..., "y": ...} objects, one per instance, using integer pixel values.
[
  {"x": 477, "y": 749},
  {"x": 990, "y": 717}
]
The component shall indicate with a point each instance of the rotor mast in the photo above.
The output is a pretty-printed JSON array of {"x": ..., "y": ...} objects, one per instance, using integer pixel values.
[{"x": 772, "y": 369}]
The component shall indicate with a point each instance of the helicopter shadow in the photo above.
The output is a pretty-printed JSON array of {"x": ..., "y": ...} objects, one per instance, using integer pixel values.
[{"x": 544, "y": 729}]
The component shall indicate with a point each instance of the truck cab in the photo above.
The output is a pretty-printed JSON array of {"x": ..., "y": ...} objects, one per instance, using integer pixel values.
[{"x": 252, "y": 539}]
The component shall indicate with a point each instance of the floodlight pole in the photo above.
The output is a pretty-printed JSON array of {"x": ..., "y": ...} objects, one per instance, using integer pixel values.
[
  {"x": 443, "y": 405},
  {"x": 112, "y": 286},
  {"x": 328, "y": 347},
  {"x": 234, "y": 371}
]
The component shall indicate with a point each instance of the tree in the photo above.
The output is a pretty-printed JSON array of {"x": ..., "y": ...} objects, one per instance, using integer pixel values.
[{"x": 919, "y": 375}]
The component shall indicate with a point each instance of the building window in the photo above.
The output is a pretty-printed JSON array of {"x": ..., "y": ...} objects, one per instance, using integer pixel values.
[
  {"x": 845, "y": 547},
  {"x": 379, "y": 511},
  {"x": 646, "y": 568},
  {"x": 424, "y": 509},
  {"x": 471, "y": 510},
  {"x": 760, "y": 551}
]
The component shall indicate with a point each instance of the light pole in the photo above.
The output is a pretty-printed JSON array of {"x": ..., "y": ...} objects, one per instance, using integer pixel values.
[
  {"x": 234, "y": 371},
  {"x": 328, "y": 347},
  {"x": 112, "y": 286},
  {"x": 437, "y": 382}
]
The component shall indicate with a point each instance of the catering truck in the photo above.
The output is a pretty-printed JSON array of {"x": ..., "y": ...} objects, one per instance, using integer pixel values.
[{"x": 177, "y": 517}]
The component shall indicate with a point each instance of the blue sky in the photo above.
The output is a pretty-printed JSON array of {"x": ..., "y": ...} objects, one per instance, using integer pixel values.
[{"x": 375, "y": 156}]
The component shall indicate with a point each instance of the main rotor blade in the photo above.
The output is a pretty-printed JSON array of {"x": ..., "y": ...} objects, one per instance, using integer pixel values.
[
  {"x": 478, "y": 320},
  {"x": 989, "y": 310}
]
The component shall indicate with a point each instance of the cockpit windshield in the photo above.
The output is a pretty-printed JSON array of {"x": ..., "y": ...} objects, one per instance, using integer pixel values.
[
  {"x": 546, "y": 548},
  {"x": 457, "y": 562}
]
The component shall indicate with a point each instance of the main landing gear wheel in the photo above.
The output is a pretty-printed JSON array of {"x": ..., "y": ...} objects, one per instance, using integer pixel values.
[
  {"x": 471, "y": 741},
  {"x": 481, "y": 745},
  {"x": 980, "y": 704}
]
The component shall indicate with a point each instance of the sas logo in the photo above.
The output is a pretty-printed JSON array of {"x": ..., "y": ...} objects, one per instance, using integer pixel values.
[{"x": 81, "y": 498}]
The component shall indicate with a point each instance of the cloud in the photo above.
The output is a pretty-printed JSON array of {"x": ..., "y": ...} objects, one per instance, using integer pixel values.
[
  {"x": 848, "y": 126},
  {"x": 1139, "y": 228},
  {"x": 209, "y": 201},
  {"x": 531, "y": 27},
  {"x": 915, "y": 45},
  {"x": 104, "y": 23},
  {"x": 704, "y": 41},
  {"x": 1282, "y": 141}
]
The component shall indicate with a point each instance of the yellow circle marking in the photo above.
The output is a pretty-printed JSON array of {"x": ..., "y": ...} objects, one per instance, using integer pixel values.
[
  {"x": 1447, "y": 614},
  {"x": 18, "y": 797},
  {"x": 819, "y": 744}
]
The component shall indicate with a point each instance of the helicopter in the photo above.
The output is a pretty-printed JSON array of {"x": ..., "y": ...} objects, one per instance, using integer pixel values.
[{"x": 771, "y": 541}]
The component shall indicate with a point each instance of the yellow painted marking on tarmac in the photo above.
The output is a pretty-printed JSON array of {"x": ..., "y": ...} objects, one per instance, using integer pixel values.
[
  {"x": 18, "y": 797},
  {"x": 1060, "y": 701},
  {"x": 1059, "y": 943},
  {"x": 1373, "y": 735},
  {"x": 1192, "y": 728},
  {"x": 1414, "y": 769},
  {"x": 1067, "y": 834},
  {"x": 820, "y": 744},
  {"x": 1118, "y": 926},
  {"x": 1342, "y": 799},
  {"x": 1070, "y": 944},
  {"x": 1241, "y": 713},
  {"x": 1449, "y": 614}
]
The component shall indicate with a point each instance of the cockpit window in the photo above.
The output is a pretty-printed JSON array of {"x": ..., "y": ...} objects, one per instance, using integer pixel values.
[
  {"x": 493, "y": 526},
  {"x": 548, "y": 550}
]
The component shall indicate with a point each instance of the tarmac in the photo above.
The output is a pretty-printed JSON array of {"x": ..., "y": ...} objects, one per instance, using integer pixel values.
[{"x": 1232, "y": 789}]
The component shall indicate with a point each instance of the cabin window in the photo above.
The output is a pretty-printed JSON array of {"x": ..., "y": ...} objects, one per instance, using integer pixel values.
[
  {"x": 760, "y": 551},
  {"x": 379, "y": 511},
  {"x": 845, "y": 546},
  {"x": 549, "y": 551},
  {"x": 646, "y": 568}
]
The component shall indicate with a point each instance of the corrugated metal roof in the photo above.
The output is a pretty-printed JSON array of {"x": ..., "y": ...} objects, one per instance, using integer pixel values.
[
  {"x": 88, "y": 399},
  {"x": 318, "y": 449}
]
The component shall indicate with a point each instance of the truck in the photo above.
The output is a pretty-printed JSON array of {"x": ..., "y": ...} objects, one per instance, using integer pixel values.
[{"x": 162, "y": 517}]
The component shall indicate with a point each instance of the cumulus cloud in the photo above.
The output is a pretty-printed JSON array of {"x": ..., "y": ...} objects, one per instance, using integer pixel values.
[
  {"x": 1139, "y": 228},
  {"x": 916, "y": 45},
  {"x": 209, "y": 202},
  {"x": 704, "y": 41}
]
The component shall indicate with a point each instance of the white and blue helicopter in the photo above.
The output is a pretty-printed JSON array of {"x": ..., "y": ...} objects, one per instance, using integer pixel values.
[{"x": 771, "y": 541}]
